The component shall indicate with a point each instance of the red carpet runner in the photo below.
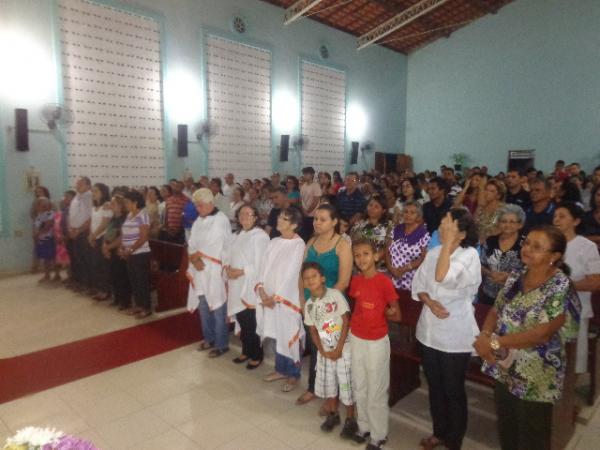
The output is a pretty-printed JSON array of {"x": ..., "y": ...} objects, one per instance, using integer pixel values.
[{"x": 54, "y": 366}]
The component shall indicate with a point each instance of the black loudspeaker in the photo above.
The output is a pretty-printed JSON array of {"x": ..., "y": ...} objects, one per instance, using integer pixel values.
[
  {"x": 354, "y": 154},
  {"x": 182, "y": 141},
  {"x": 21, "y": 130},
  {"x": 284, "y": 147}
]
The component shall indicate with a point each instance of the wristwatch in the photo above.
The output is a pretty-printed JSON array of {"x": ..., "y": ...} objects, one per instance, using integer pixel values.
[{"x": 494, "y": 343}]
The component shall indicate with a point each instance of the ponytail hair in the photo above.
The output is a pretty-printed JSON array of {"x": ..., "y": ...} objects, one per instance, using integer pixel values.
[{"x": 558, "y": 244}]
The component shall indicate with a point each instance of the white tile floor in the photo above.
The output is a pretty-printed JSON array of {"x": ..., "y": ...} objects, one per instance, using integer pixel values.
[{"x": 182, "y": 400}]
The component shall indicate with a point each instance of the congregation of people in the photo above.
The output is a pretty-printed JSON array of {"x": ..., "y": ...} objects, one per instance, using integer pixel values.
[{"x": 319, "y": 265}]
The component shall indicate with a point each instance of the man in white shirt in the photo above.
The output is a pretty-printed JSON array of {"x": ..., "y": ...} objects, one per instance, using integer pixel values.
[
  {"x": 188, "y": 189},
  {"x": 310, "y": 193},
  {"x": 207, "y": 293},
  {"x": 80, "y": 213},
  {"x": 229, "y": 186}
]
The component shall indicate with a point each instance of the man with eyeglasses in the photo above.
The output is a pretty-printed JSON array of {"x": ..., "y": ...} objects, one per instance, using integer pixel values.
[{"x": 349, "y": 201}]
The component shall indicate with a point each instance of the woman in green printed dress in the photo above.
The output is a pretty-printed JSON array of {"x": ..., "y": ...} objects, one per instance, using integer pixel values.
[
  {"x": 376, "y": 227},
  {"x": 523, "y": 340}
]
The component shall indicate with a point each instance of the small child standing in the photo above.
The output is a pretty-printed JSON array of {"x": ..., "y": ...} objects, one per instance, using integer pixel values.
[
  {"x": 376, "y": 301},
  {"x": 327, "y": 313},
  {"x": 43, "y": 235}
]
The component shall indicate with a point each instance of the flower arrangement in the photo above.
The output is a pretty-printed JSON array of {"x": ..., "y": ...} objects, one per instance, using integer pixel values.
[{"x": 32, "y": 438}]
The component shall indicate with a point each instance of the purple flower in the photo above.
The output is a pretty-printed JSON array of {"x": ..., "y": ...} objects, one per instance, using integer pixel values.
[{"x": 72, "y": 443}]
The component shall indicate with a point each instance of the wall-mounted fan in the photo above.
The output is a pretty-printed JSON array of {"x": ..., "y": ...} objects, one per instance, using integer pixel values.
[
  {"x": 205, "y": 130},
  {"x": 299, "y": 142},
  {"x": 366, "y": 150},
  {"x": 55, "y": 116}
]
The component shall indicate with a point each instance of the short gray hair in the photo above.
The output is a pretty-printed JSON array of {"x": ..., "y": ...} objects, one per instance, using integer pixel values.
[
  {"x": 511, "y": 208},
  {"x": 417, "y": 206}
]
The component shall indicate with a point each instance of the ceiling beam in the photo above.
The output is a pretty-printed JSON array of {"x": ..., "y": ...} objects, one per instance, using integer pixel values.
[
  {"x": 298, "y": 9},
  {"x": 424, "y": 20},
  {"x": 481, "y": 6},
  {"x": 397, "y": 22}
]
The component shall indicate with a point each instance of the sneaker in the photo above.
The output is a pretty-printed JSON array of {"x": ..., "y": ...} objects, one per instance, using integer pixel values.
[
  {"x": 360, "y": 438},
  {"x": 350, "y": 428},
  {"x": 333, "y": 419},
  {"x": 375, "y": 445}
]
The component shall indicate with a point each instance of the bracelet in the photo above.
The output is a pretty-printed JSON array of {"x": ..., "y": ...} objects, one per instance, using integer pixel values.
[{"x": 486, "y": 333}]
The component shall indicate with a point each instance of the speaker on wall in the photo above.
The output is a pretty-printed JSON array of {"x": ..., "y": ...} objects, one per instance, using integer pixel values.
[
  {"x": 354, "y": 154},
  {"x": 21, "y": 130},
  {"x": 182, "y": 141},
  {"x": 284, "y": 147}
]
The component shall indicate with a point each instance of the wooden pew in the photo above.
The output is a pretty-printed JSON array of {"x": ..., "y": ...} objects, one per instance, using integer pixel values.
[
  {"x": 594, "y": 350},
  {"x": 406, "y": 359},
  {"x": 169, "y": 265}
]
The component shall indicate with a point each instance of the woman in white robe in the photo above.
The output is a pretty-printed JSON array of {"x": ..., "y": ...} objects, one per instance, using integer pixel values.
[
  {"x": 208, "y": 239},
  {"x": 584, "y": 262},
  {"x": 279, "y": 313},
  {"x": 243, "y": 262}
]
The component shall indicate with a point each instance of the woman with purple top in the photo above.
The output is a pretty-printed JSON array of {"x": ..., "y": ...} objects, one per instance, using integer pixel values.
[{"x": 407, "y": 246}]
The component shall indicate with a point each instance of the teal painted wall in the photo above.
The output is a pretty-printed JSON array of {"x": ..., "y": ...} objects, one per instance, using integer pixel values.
[
  {"x": 525, "y": 78},
  {"x": 376, "y": 80}
]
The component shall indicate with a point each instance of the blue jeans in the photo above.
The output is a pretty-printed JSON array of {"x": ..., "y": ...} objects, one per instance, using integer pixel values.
[
  {"x": 286, "y": 366},
  {"x": 214, "y": 325}
]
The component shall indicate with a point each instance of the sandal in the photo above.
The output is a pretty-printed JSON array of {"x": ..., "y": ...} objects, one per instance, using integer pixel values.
[
  {"x": 306, "y": 397},
  {"x": 253, "y": 364},
  {"x": 240, "y": 359},
  {"x": 133, "y": 311},
  {"x": 290, "y": 385},
  {"x": 430, "y": 443},
  {"x": 216, "y": 352},
  {"x": 143, "y": 314},
  {"x": 274, "y": 376},
  {"x": 204, "y": 345}
]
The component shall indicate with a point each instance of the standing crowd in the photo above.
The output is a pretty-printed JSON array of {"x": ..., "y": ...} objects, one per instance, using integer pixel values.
[{"x": 319, "y": 265}]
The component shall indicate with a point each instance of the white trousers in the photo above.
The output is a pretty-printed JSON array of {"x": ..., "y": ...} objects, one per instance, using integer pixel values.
[
  {"x": 370, "y": 383},
  {"x": 581, "y": 360}
]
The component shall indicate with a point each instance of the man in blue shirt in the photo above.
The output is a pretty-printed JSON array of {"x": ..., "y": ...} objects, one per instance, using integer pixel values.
[{"x": 349, "y": 201}]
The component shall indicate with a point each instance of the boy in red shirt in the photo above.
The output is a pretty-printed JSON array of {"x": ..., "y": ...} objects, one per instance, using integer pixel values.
[{"x": 375, "y": 302}]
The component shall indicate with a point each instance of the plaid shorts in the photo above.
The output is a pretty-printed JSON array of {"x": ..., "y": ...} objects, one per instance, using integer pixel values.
[{"x": 335, "y": 378}]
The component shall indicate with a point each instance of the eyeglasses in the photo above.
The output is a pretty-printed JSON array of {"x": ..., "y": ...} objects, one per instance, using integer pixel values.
[
  {"x": 510, "y": 222},
  {"x": 536, "y": 248}
]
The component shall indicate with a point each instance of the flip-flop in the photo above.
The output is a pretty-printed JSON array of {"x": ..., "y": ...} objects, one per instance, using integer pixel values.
[
  {"x": 274, "y": 377},
  {"x": 204, "y": 346},
  {"x": 431, "y": 442},
  {"x": 306, "y": 397},
  {"x": 289, "y": 387}
]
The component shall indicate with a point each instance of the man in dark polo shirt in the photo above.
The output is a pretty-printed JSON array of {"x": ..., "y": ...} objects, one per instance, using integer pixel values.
[
  {"x": 438, "y": 205},
  {"x": 541, "y": 211},
  {"x": 515, "y": 193},
  {"x": 280, "y": 201},
  {"x": 349, "y": 201}
]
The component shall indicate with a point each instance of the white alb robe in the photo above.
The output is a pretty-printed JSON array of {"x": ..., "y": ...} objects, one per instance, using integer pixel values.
[
  {"x": 279, "y": 276},
  {"x": 208, "y": 238},
  {"x": 246, "y": 251}
]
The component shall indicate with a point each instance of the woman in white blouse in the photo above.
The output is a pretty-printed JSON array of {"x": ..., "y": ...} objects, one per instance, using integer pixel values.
[
  {"x": 584, "y": 261},
  {"x": 101, "y": 215},
  {"x": 245, "y": 253},
  {"x": 447, "y": 283}
]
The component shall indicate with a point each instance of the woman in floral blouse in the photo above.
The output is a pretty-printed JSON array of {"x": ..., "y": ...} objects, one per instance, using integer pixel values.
[
  {"x": 501, "y": 254},
  {"x": 376, "y": 227},
  {"x": 523, "y": 340},
  {"x": 407, "y": 247}
]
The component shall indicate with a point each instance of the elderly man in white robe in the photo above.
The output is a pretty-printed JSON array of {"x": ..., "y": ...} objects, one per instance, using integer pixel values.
[
  {"x": 279, "y": 312},
  {"x": 207, "y": 245}
]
